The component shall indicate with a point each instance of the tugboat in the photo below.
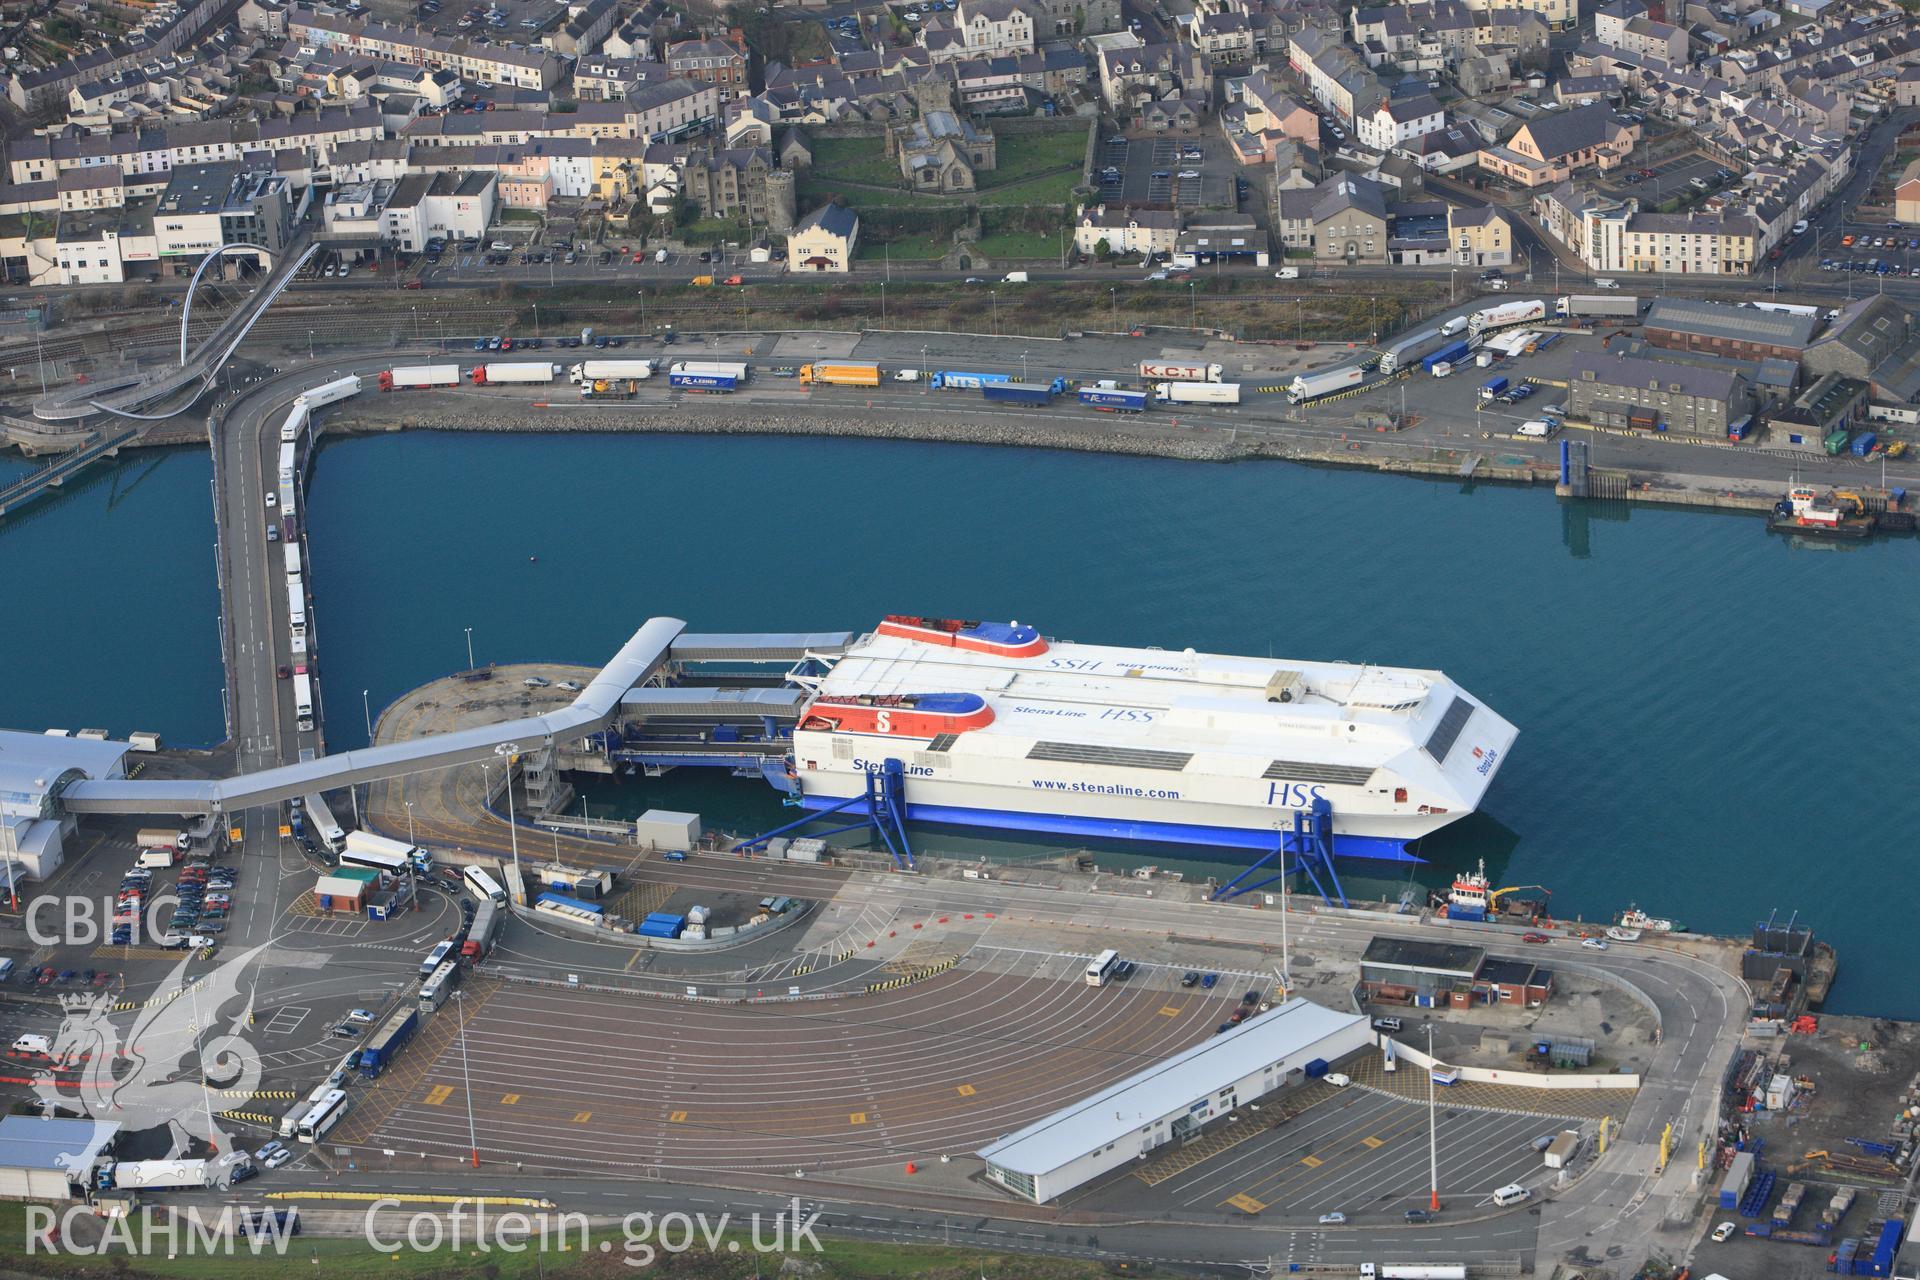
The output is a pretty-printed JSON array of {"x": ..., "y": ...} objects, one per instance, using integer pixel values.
[
  {"x": 1803, "y": 512},
  {"x": 1471, "y": 895},
  {"x": 1634, "y": 918}
]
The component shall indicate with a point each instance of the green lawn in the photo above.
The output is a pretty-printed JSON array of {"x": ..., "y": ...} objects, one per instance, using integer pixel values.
[
  {"x": 855, "y": 160},
  {"x": 353, "y": 1259},
  {"x": 1014, "y": 243},
  {"x": 905, "y": 248},
  {"x": 1027, "y": 155}
]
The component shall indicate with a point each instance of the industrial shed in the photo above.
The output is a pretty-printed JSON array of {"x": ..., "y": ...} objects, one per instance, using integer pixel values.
[
  {"x": 45, "y": 1157},
  {"x": 1171, "y": 1100}
]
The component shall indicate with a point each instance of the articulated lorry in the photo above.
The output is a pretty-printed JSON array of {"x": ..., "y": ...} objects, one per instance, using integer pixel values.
[
  {"x": 840, "y": 375},
  {"x": 1197, "y": 392},
  {"x": 597, "y": 370},
  {"x": 486, "y": 375},
  {"x": 153, "y": 1175},
  {"x": 1312, "y": 386},
  {"x": 1114, "y": 399},
  {"x": 959, "y": 381},
  {"x": 1597, "y": 306},
  {"x": 1030, "y": 393},
  {"x": 1167, "y": 371},
  {"x": 420, "y": 377}
]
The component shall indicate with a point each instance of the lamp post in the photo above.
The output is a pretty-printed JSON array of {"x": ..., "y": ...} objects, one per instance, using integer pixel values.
[
  {"x": 416, "y": 322},
  {"x": 1113, "y": 309},
  {"x": 993, "y": 295},
  {"x": 1193, "y": 304},
  {"x": 466, "y": 1078},
  {"x": 536, "y": 320},
  {"x": 1433, "y": 1129},
  {"x": 469, "y": 648},
  {"x": 366, "y": 709},
  {"x": 309, "y": 344}
]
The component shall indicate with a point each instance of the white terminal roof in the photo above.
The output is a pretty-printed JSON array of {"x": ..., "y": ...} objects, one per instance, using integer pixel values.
[
  {"x": 1179, "y": 704},
  {"x": 1166, "y": 1088},
  {"x": 54, "y": 1142}
]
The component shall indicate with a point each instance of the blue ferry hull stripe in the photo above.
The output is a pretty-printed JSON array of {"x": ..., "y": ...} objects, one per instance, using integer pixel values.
[{"x": 1378, "y": 848}]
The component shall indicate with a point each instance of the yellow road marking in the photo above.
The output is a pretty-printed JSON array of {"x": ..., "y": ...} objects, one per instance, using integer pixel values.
[
  {"x": 1312, "y": 1162},
  {"x": 1169, "y": 1011},
  {"x": 508, "y": 1100},
  {"x": 1246, "y": 1203},
  {"x": 1371, "y": 1142},
  {"x": 439, "y": 1094},
  {"x": 581, "y": 1117},
  {"x": 965, "y": 1091},
  {"x": 857, "y": 1117},
  {"x": 677, "y": 1117}
]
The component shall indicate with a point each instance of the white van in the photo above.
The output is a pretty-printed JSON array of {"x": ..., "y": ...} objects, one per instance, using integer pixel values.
[
  {"x": 152, "y": 858},
  {"x": 1287, "y": 273},
  {"x": 1443, "y": 369},
  {"x": 6, "y": 969},
  {"x": 1512, "y": 1193},
  {"x": 1454, "y": 325},
  {"x": 1339, "y": 1081},
  {"x": 1015, "y": 277},
  {"x": 1539, "y": 428},
  {"x": 33, "y": 1044},
  {"x": 1606, "y": 284}
]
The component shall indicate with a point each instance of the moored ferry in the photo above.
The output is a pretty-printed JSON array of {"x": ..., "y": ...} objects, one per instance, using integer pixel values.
[{"x": 996, "y": 725}]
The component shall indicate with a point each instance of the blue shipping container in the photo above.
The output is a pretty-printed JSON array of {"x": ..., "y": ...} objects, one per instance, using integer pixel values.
[
  {"x": 1492, "y": 388},
  {"x": 1863, "y": 444},
  {"x": 1110, "y": 398},
  {"x": 1446, "y": 355}
]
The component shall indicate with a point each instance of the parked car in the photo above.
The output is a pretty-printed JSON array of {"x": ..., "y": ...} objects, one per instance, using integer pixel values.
[
  {"x": 1535, "y": 937},
  {"x": 1724, "y": 1232},
  {"x": 1594, "y": 944},
  {"x": 1333, "y": 1219}
]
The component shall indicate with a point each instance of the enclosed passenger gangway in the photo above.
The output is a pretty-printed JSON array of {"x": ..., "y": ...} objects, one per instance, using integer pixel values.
[{"x": 593, "y": 711}]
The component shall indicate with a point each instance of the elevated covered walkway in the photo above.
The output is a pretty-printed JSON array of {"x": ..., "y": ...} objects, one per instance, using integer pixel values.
[{"x": 595, "y": 709}]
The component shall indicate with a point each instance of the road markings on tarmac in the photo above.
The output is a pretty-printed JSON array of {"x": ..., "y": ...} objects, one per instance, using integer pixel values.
[
  {"x": 507, "y": 1100},
  {"x": 677, "y": 1117},
  {"x": 439, "y": 1094},
  {"x": 1169, "y": 1011},
  {"x": 857, "y": 1117},
  {"x": 581, "y": 1117},
  {"x": 965, "y": 1091},
  {"x": 1246, "y": 1203},
  {"x": 1312, "y": 1162},
  {"x": 1370, "y": 1142}
]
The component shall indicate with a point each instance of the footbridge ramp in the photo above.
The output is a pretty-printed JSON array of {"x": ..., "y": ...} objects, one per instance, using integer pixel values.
[{"x": 596, "y": 707}]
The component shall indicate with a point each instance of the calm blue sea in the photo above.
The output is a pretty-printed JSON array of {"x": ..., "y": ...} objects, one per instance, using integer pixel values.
[{"x": 1715, "y": 723}]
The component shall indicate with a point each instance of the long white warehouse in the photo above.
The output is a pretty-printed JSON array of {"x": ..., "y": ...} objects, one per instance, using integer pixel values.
[{"x": 1170, "y": 1100}]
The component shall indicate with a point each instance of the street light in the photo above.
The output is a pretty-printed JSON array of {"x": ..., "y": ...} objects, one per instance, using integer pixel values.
[
  {"x": 1433, "y": 1127},
  {"x": 1113, "y": 309},
  {"x": 469, "y": 648},
  {"x": 536, "y": 320},
  {"x": 309, "y": 344},
  {"x": 410, "y": 839},
  {"x": 1193, "y": 304},
  {"x": 366, "y": 708},
  {"x": 466, "y": 1078}
]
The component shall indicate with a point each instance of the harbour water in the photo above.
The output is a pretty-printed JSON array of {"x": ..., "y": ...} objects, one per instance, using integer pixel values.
[{"x": 1714, "y": 722}]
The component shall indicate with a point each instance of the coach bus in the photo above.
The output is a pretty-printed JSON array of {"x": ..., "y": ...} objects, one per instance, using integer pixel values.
[
  {"x": 326, "y": 1113},
  {"x": 484, "y": 887},
  {"x": 1102, "y": 968}
]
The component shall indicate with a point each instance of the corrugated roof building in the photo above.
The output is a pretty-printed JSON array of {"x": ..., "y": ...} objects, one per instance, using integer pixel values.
[
  {"x": 1688, "y": 324},
  {"x": 1171, "y": 1100}
]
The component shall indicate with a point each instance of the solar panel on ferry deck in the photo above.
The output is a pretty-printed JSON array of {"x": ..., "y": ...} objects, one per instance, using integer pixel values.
[{"x": 1442, "y": 738}]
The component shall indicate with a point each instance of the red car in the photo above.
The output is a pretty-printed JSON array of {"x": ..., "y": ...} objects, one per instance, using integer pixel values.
[{"x": 1535, "y": 937}]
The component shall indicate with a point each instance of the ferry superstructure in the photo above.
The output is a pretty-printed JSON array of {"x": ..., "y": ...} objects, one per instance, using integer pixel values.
[{"x": 997, "y": 726}]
